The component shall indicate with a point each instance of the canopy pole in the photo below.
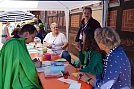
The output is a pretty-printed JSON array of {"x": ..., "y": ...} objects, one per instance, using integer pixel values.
[
  {"x": 67, "y": 23},
  {"x": 104, "y": 12}
]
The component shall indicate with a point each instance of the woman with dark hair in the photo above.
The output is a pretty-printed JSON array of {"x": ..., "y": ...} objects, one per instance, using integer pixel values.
[
  {"x": 41, "y": 32},
  {"x": 90, "y": 57}
]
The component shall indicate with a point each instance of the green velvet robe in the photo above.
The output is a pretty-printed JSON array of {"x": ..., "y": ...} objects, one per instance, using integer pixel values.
[{"x": 17, "y": 71}]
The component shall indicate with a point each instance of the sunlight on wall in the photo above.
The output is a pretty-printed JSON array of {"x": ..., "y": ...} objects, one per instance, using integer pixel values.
[
  {"x": 0, "y": 35},
  {"x": 97, "y": 14}
]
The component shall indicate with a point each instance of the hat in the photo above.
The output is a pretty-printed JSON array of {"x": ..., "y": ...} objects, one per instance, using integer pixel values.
[
  {"x": 30, "y": 21},
  {"x": 41, "y": 24}
]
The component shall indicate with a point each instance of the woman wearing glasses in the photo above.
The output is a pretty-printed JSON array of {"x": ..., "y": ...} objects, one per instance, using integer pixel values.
[
  {"x": 57, "y": 42},
  {"x": 116, "y": 68}
]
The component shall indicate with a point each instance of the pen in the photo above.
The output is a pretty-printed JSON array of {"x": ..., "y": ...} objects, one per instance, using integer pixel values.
[{"x": 62, "y": 73}]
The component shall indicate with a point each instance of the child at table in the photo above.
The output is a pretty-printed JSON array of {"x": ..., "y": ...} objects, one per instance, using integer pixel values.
[{"x": 90, "y": 56}]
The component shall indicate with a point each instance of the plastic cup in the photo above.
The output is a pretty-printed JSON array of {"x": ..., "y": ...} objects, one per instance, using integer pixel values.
[
  {"x": 44, "y": 50},
  {"x": 65, "y": 76},
  {"x": 47, "y": 56}
]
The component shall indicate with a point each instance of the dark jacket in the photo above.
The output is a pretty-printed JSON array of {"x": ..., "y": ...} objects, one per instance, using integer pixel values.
[
  {"x": 92, "y": 23},
  {"x": 41, "y": 35}
]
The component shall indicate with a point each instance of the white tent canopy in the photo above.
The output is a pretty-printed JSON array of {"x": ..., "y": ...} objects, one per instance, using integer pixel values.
[{"x": 46, "y": 5}]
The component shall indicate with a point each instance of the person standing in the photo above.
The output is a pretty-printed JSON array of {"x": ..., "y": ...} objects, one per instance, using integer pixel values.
[
  {"x": 87, "y": 22},
  {"x": 11, "y": 27},
  {"x": 5, "y": 32}
]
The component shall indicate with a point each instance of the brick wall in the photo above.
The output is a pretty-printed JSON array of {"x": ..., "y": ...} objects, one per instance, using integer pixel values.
[
  {"x": 75, "y": 20},
  {"x": 58, "y": 20},
  {"x": 46, "y": 20},
  {"x": 97, "y": 14},
  {"x": 36, "y": 13},
  {"x": 50, "y": 20},
  {"x": 55, "y": 19},
  {"x": 72, "y": 49},
  {"x": 64, "y": 21},
  {"x": 128, "y": 20},
  {"x": 111, "y": 20},
  {"x": 59, "y": 12},
  {"x": 41, "y": 16},
  {"x": 60, "y": 23}
]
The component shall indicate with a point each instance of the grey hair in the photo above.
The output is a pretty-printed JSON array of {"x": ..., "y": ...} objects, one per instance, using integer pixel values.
[
  {"x": 53, "y": 24},
  {"x": 107, "y": 36}
]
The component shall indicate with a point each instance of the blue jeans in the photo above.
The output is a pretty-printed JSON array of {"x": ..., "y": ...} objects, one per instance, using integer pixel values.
[{"x": 66, "y": 55}]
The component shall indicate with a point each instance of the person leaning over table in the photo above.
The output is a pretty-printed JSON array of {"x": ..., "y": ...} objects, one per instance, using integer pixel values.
[
  {"x": 91, "y": 56},
  {"x": 116, "y": 68},
  {"x": 57, "y": 42},
  {"x": 17, "y": 70}
]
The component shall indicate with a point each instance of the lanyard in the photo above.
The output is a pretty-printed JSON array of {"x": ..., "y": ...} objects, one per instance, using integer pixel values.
[
  {"x": 54, "y": 40},
  {"x": 85, "y": 26},
  {"x": 87, "y": 57},
  {"x": 53, "y": 46}
]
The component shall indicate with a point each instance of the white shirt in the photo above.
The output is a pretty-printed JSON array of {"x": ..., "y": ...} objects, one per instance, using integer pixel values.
[
  {"x": 3, "y": 29},
  {"x": 56, "y": 42},
  {"x": 11, "y": 27}
]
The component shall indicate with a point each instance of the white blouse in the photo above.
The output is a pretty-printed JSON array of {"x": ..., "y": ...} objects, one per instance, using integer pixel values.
[{"x": 56, "y": 42}]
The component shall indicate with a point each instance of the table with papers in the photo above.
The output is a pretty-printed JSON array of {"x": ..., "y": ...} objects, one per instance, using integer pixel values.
[{"x": 60, "y": 82}]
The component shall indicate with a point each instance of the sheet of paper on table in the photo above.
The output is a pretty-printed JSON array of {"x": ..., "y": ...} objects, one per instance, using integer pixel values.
[
  {"x": 70, "y": 81},
  {"x": 40, "y": 69},
  {"x": 32, "y": 50},
  {"x": 30, "y": 46},
  {"x": 75, "y": 74},
  {"x": 46, "y": 63},
  {"x": 75, "y": 86},
  {"x": 66, "y": 65},
  {"x": 61, "y": 60}
]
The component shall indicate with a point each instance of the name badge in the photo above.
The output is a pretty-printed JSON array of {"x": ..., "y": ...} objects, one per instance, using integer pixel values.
[
  {"x": 80, "y": 37},
  {"x": 53, "y": 45}
]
